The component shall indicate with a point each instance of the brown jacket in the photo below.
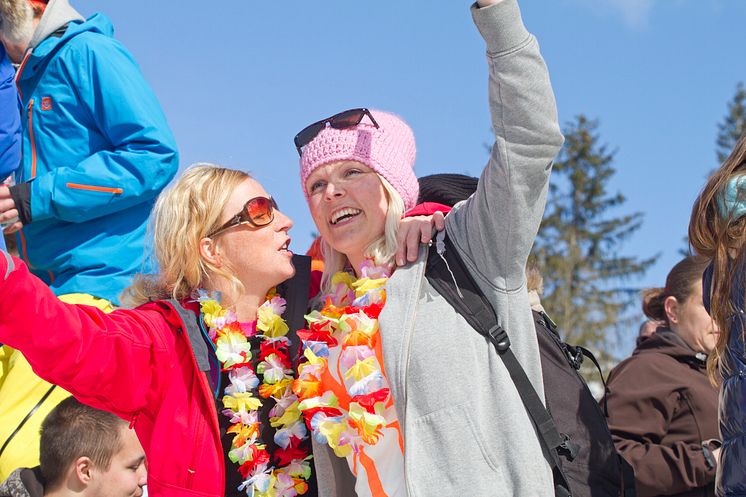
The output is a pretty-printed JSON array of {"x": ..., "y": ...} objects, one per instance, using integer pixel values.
[{"x": 661, "y": 408}]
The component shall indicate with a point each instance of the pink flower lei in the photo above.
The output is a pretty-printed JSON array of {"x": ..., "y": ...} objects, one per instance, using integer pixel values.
[{"x": 292, "y": 469}]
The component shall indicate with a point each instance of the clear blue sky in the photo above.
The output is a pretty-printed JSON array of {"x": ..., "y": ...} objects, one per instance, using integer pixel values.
[{"x": 238, "y": 79}]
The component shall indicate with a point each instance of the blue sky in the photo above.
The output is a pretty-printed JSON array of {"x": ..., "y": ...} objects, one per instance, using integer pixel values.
[{"x": 238, "y": 79}]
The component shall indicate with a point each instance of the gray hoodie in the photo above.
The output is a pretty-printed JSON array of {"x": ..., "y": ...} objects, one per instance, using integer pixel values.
[
  {"x": 465, "y": 429},
  {"x": 57, "y": 14}
]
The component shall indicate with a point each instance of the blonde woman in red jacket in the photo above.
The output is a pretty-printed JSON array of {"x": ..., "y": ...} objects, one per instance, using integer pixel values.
[{"x": 205, "y": 359}]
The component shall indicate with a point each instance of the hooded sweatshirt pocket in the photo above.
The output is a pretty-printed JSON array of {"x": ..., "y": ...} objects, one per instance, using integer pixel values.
[{"x": 446, "y": 454}]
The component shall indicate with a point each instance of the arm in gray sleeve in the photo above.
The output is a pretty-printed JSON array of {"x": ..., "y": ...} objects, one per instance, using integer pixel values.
[{"x": 496, "y": 227}]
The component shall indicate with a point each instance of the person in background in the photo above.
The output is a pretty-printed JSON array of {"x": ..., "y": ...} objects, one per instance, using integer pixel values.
[
  {"x": 647, "y": 329},
  {"x": 97, "y": 150},
  {"x": 85, "y": 452},
  {"x": 717, "y": 230},
  {"x": 662, "y": 407},
  {"x": 10, "y": 123},
  {"x": 398, "y": 408}
]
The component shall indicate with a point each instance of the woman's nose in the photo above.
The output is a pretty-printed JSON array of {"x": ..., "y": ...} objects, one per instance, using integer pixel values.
[
  {"x": 333, "y": 190},
  {"x": 283, "y": 221}
]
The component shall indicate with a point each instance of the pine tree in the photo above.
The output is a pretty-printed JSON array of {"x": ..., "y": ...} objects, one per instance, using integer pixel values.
[
  {"x": 733, "y": 125},
  {"x": 578, "y": 246}
]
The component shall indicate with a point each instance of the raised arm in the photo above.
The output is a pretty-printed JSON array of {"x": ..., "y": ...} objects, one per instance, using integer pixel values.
[
  {"x": 106, "y": 360},
  {"x": 496, "y": 227}
]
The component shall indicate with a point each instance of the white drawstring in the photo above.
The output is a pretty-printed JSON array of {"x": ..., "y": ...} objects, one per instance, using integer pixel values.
[{"x": 440, "y": 248}]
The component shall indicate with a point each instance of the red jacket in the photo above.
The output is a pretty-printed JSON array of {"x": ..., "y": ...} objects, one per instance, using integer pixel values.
[{"x": 138, "y": 364}]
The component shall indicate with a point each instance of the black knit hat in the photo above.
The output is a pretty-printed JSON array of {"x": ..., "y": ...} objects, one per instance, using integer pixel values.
[{"x": 446, "y": 189}]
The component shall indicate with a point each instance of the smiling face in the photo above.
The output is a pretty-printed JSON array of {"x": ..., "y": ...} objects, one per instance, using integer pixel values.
[
  {"x": 348, "y": 204},
  {"x": 258, "y": 256}
]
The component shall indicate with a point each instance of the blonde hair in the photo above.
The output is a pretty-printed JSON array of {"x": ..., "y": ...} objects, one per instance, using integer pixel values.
[
  {"x": 721, "y": 239},
  {"x": 183, "y": 215},
  {"x": 382, "y": 250}
]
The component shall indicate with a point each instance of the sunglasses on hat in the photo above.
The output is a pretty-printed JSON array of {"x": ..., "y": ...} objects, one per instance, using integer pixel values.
[
  {"x": 258, "y": 212},
  {"x": 343, "y": 120}
]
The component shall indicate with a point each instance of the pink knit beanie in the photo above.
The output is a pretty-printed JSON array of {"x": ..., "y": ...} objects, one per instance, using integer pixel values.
[{"x": 389, "y": 150}]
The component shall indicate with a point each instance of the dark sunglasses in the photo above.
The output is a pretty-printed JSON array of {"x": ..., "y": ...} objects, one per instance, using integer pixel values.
[
  {"x": 258, "y": 212},
  {"x": 343, "y": 120}
]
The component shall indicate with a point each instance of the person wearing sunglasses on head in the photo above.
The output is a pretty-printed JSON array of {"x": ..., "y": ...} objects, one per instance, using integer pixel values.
[
  {"x": 202, "y": 368},
  {"x": 403, "y": 396}
]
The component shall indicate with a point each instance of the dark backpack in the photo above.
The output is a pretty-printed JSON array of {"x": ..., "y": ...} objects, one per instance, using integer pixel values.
[
  {"x": 572, "y": 429},
  {"x": 597, "y": 469}
]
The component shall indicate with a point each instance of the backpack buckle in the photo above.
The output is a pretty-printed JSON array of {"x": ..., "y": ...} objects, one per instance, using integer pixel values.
[
  {"x": 499, "y": 338},
  {"x": 575, "y": 356},
  {"x": 567, "y": 448}
]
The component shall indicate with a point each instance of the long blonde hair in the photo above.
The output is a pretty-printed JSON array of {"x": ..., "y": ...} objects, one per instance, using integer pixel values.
[
  {"x": 382, "y": 250},
  {"x": 183, "y": 215},
  {"x": 721, "y": 239}
]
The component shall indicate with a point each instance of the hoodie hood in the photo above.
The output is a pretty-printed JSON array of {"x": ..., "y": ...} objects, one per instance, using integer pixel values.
[
  {"x": 23, "y": 482},
  {"x": 666, "y": 341},
  {"x": 47, "y": 46},
  {"x": 56, "y": 15}
]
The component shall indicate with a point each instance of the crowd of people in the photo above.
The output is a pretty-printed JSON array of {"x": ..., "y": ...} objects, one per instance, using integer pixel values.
[{"x": 235, "y": 367}]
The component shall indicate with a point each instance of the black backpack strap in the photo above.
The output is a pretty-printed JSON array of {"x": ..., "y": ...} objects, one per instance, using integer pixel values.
[
  {"x": 587, "y": 353},
  {"x": 26, "y": 418},
  {"x": 447, "y": 273}
]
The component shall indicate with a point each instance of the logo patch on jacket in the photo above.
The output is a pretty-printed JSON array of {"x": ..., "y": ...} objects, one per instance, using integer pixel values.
[{"x": 46, "y": 103}]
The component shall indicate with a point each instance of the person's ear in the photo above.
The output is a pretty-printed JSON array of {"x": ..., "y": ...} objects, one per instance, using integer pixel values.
[
  {"x": 209, "y": 251},
  {"x": 84, "y": 469},
  {"x": 671, "y": 306}
]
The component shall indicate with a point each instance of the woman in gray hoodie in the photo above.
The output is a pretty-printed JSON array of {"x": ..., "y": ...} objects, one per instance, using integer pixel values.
[{"x": 403, "y": 396}]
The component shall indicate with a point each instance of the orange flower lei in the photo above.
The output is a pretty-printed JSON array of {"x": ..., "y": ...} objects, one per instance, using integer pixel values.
[
  {"x": 349, "y": 319},
  {"x": 233, "y": 349}
]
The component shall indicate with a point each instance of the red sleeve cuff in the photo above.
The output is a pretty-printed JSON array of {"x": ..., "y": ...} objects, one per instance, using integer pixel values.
[{"x": 427, "y": 209}]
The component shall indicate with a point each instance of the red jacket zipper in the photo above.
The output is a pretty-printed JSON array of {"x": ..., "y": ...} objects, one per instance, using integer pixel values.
[{"x": 207, "y": 394}]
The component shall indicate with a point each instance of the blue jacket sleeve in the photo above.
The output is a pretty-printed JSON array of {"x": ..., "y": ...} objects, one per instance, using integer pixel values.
[
  {"x": 141, "y": 156},
  {"x": 10, "y": 119}
]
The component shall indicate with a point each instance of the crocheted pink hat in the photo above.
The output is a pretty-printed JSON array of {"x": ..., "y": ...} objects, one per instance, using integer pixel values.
[{"x": 389, "y": 150}]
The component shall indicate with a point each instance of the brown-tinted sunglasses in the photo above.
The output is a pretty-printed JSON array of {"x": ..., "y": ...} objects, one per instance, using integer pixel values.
[{"x": 258, "y": 212}]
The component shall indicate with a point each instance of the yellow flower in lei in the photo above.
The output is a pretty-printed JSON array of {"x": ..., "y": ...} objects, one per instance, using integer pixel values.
[
  {"x": 211, "y": 309},
  {"x": 366, "y": 285},
  {"x": 343, "y": 278},
  {"x": 269, "y": 318},
  {"x": 290, "y": 416},
  {"x": 347, "y": 325},
  {"x": 284, "y": 472},
  {"x": 241, "y": 401}
]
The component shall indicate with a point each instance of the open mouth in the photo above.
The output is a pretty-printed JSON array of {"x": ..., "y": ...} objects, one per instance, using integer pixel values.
[
  {"x": 285, "y": 246},
  {"x": 343, "y": 215}
]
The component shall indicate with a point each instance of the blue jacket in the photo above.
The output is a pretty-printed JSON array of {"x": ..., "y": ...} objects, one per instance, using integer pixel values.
[
  {"x": 96, "y": 152},
  {"x": 731, "y": 475},
  {"x": 10, "y": 119},
  {"x": 10, "y": 122}
]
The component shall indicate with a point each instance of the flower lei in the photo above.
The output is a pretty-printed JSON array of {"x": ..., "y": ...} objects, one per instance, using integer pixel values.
[
  {"x": 350, "y": 318},
  {"x": 233, "y": 349}
]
